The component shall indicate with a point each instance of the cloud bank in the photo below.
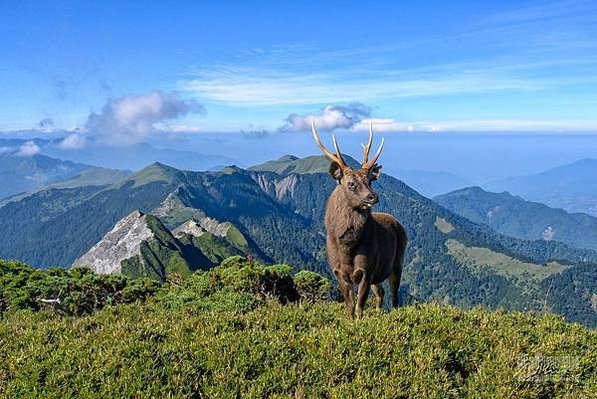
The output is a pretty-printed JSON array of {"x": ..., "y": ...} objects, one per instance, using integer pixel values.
[
  {"x": 73, "y": 141},
  {"x": 330, "y": 118},
  {"x": 131, "y": 119},
  {"x": 27, "y": 149}
]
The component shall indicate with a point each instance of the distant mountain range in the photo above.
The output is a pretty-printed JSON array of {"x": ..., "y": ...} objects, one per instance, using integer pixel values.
[
  {"x": 133, "y": 157},
  {"x": 279, "y": 217},
  {"x": 514, "y": 216},
  {"x": 572, "y": 187},
  {"x": 20, "y": 174}
]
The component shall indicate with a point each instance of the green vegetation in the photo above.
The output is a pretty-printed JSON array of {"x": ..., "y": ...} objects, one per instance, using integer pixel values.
[
  {"x": 69, "y": 292},
  {"x": 280, "y": 215},
  {"x": 291, "y": 164},
  {"x": 483, "y": 260},
  {"x": 156, "y": 172},
  {"x": 93, "y": 177},
  {"x": 226, "y": 333},
  {"x": 516, "y": 217},
  {"x": 216, "y": 248}
]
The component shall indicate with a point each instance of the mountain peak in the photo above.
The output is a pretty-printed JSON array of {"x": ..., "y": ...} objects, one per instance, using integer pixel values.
[
  {"x": 311, "y": 164},
  {"x": 119, "y": 244},
  {"x": 155, "y": 172},
  {"x": 287, "y": 158}
]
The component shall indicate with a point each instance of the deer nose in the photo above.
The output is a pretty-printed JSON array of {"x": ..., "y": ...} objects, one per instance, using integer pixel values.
[{"x": 372, "y": 197}]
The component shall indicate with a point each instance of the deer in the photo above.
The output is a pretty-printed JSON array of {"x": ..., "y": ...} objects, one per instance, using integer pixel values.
[{"x": 364, "y": 248}]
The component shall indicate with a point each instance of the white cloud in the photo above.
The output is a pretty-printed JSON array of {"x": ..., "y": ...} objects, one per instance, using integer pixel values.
[
  {"x": 390, "y": 125},
  {"x": 27, "y": 149},
  {"x": 73, "y": 141},
  {"x": 387, "y": 125},
  {"x": 508, "y": 125},
  {"x": 177, "y": 128},
  {"x": 330, "y": 118},
  {"x": 131, "y": 119}
]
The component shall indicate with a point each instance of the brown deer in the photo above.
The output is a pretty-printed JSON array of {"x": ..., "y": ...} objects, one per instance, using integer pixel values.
[{"x": 364, "y": 248}]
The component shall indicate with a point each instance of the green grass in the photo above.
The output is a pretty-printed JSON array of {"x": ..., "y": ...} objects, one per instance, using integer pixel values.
[
  {"x": 226, "y": 333},
  {"x": 484, "y": 260},
  {"x": 93, "y": 177},
  {"x": 295, "y": 351}
]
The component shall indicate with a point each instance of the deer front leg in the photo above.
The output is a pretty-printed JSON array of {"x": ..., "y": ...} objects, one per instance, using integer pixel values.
[
  {"x": 361, "y": 278},
  {"x": 362, "y": 295},
  {"x": 347, "y": 292}
]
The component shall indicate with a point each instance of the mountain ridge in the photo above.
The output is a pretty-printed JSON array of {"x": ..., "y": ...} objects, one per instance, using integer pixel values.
[
  {"x": 572, "y": 187},
  {"x": 517, "y": 217},
  {"x": 281, "y": 217}
]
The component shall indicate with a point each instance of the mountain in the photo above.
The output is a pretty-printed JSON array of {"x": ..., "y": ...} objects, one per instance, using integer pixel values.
[
  {"x": 428, "y": 183},
  {"x": 280, "y": 216},
  {"x": 140, "y": 245},
  {"x": 137, "y": 156},
  {"x": 572, "y": 187},
  {"x": 217, "y": 241},
  {"x": 514, "y": 216},
  {"x": 132, "y": 157},
  {"x": 19, "y": 174},
  {"x": 94, "y": 176},
  {"x": 291, "y": 164}
]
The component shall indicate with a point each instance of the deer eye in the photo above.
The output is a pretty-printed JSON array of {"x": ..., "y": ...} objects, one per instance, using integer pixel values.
[{"x": 351, "y": 185}]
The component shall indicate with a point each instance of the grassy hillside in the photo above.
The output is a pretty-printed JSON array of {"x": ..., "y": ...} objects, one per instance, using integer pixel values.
[{"x": 253, "y": 331}]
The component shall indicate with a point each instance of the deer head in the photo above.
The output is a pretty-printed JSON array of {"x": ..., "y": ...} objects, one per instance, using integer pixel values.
[{"x": 355, "y": 183}]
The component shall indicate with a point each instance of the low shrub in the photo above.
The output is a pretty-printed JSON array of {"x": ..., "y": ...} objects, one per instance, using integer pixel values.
[
  {"x": 246, "y": 275},
  {"x": 75, "y": 292},
  {"x": 312, "y": 287},
  {"x": 237, "y": 284}
]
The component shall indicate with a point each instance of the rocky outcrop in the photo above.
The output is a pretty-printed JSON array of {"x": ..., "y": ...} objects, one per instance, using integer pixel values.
[
  {"x": 190, "y": 227},
  {"x": 121, "y": 243}
]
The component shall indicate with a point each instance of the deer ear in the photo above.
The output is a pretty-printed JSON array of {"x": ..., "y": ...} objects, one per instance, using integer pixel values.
[
  {"x": 336, "y": 171},
  {"x": 374, "y": 172}
]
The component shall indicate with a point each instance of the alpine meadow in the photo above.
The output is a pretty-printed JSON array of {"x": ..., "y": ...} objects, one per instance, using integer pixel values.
[{"x": 298, "y": 200}]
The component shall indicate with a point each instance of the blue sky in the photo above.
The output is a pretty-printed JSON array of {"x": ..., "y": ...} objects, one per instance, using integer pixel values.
[{"x": 232, "y": 66}]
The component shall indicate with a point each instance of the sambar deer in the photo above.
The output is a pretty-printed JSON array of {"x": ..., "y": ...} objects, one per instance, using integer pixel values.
[{"x": 364, "y": 248}]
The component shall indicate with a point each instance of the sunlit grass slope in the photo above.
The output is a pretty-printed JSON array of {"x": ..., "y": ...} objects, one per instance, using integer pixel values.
[{"x": 292, "y": 351}]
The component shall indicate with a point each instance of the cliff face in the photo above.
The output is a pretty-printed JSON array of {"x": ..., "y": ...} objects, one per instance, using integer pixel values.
[
  {"x": 119, "y": 244},
  {"x": 141, "y": 245}
]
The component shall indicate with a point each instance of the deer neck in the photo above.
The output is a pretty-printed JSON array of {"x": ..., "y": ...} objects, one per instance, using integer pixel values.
[{"x": 344, "y": 222}]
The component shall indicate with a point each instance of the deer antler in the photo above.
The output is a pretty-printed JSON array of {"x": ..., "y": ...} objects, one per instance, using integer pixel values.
[
  {"x": 334, "y": 157},
  {"x": 366, "y": 164}
]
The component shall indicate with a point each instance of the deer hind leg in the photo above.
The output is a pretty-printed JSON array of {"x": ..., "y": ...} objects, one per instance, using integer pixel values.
[
  {"x": 379, "y": 292},
  {"x": 394, "y": 286},
  {"x": 348, "y": 293}
]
